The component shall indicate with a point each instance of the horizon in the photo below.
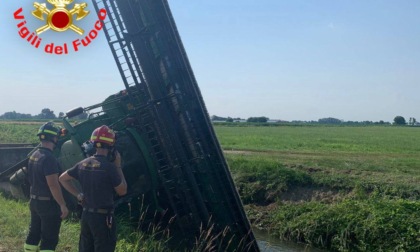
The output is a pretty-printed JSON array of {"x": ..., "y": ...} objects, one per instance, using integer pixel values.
[{"x": 56, "y": 114}]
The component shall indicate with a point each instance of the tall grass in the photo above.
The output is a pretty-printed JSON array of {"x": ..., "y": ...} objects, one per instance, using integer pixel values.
[
  {"x": 369, "y": 224},
  {"x": 15, "y": 216},
  {"x": 14, "y": 222}
]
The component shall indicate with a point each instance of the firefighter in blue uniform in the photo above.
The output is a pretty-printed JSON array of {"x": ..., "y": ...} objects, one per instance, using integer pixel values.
[
  {"x": 46, "y": 204},
  {"x": 99, "y": 179}
]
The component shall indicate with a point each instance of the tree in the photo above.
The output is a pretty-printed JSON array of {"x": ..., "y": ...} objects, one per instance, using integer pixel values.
[
  {"x": 412, "y": 121},
  {"x": 399, "y": 120},
  {"x": 218, "y": 118},
  {"x": 329, "y": 120},
  {"x": 261, "y": 119},
  {"x": 46, "y": 113},
  {"x": 13, "y": 115}
]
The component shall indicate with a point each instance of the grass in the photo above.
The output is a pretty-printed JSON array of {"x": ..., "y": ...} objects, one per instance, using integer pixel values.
[
  {"x": 371, "y": 154},
  {"x": 340, "y": 188},
  {"x": 15, "y": 217},
  {"x": 369, "y": 224},
  {"x": 14, "y": 222},
  {"x": 372, "y": 139}
]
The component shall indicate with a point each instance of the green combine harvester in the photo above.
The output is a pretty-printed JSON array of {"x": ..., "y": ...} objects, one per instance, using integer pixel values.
[{"x": 176, "y": 172}]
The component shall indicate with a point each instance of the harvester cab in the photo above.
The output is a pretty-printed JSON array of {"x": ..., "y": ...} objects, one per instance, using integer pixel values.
[{"x": 130, "y": 143}]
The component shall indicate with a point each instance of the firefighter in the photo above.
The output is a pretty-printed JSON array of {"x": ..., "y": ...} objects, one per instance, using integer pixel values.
[
  {"x": 47, "y": 203},
  {"x": 99, "y": 179}
]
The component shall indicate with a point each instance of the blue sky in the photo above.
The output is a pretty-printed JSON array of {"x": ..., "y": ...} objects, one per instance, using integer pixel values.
[{"x": 292, "y": 60}]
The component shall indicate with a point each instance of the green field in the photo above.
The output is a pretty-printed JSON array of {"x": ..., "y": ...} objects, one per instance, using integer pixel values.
[
  {"x": 341, "y": 188},
  {"x": 19, "y": 132},
  {"x": 384, "y": 155}
]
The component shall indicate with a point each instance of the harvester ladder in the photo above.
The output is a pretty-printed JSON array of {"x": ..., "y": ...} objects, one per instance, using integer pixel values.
[
  {"x": 128, "y": 64},
  {"x": 121, "y": 47}
]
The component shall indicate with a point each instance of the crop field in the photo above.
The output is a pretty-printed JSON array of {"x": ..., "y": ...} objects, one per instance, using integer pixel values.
[
  {"x": 19, "y": 132},
  {"x": 341, "y": 188},
  {"x": 381, "y": 154}
]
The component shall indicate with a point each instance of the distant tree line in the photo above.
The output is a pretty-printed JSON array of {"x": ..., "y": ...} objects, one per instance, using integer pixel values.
[
  {"x": 260, "y": 119},
  {"x": 398, "y": 120},
  {"x": 46, "y": 113},
  {"x": 225, "y": 119}
]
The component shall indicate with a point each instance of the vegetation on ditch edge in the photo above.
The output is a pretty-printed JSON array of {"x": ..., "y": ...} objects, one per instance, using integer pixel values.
[
  {"x": 353, "y": 217},
  {"x": 371, "y": 224}
]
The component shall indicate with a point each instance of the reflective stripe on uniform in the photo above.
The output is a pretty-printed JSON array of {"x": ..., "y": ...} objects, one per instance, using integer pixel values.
[
  {"x": 30, "y": 248},
  {"x": 40, "y": 197},
  {"x": 99, "y": 210}
]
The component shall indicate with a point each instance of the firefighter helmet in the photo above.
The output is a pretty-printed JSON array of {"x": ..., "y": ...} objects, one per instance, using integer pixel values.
[
  {"x": 103, "y": 137},
  {"x": 48, "y": 131}
]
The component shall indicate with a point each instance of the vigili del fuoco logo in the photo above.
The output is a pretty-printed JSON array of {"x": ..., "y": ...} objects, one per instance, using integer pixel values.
[{"x": 59, "y": 17}]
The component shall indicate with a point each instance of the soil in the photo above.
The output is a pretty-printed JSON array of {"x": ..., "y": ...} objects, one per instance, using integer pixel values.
[
  {"x": 259, "y": 215},
  {"x": 302, "y": 194}
]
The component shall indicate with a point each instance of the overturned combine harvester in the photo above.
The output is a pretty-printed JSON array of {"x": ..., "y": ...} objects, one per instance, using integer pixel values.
[{"x": 171, "y": 157}]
